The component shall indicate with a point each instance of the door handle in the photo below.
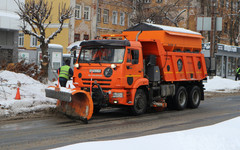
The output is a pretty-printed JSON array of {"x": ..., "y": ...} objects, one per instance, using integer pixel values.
[{"x": 129, "y": 67}]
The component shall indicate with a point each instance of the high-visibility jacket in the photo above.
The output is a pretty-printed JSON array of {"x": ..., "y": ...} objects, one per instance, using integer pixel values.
[
  {"x": 238, "y": 70},
  {"x": 64, "y": 72}
]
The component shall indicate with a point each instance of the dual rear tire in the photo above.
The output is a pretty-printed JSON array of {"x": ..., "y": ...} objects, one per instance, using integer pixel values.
[
  {"x": 184, "y": 98},
  {"x": 181, "y": 98},
  {"x": 194, "y": 97}
]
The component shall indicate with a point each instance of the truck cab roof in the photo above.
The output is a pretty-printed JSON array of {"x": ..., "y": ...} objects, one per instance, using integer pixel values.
[{"x": 105, "y": 43}]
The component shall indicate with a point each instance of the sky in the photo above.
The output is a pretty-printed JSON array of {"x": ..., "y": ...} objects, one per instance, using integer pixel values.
[{"x": 221, "y": 136}]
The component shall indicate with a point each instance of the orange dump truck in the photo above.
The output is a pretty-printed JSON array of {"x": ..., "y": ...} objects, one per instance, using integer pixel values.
[{"x": 151, "y": 66}]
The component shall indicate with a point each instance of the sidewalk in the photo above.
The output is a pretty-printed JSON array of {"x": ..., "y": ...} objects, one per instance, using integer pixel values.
[{"x": 231, "y": 77}]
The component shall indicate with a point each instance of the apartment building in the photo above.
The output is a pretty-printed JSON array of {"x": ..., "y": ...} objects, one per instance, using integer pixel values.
[
  {"x": 113, "y": 16},
  {"x": 30, "y": 42},
  {"x": 9, "y": 28}
]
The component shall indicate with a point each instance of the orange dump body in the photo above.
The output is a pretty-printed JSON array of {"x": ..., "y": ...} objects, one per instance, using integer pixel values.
[
  {"x": 178, "y": 54},
  {"x": 170, "y": 40}
]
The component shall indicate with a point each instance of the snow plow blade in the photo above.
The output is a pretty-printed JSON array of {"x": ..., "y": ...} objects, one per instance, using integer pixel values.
[{"x": 72, "y": 102}]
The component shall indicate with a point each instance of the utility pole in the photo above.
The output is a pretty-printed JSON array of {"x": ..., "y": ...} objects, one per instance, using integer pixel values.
[
  {"x": 231, "y": 24},
  {"x": 213, "y": 49},
  {"x": 97, "y": 7},
  {"x": 188, "y": 13}
]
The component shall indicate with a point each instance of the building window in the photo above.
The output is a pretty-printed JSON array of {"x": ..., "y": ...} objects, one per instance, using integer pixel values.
[
  {"x": 78, "y": 14},
  {"x": 114, "y": 17},
  {"x": 33, "y": 41},
  {"x": 105, "y": 15},
  {"x": 129, "y": 20},
  {"x": 147, "y": 1},
  {"x": 225, "y": 27},
  {"x": 122, "y": 19},
  {"x": 21, "y": 40},
  {"x": 87, "y": 13},
  {"x": 99, "y": 15},
  {"x": 158, "y": 1},
  {"x": 219, "y": 65},
  {"x": 76, "y": 37},
  {"x": 86, "y": 37},
  {"x": 236, "y": 6},
  {"x": 227, "y": 4}
]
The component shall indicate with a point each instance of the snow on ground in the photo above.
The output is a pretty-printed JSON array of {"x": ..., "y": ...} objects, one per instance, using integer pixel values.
[
  {"x": 222, "y": 136},
  {"x": 31, "y": 92},
  {"x": 218, "y": 84}
]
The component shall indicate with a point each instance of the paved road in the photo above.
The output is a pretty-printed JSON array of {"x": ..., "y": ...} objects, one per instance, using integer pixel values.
[{"x": 56, "y": 130}]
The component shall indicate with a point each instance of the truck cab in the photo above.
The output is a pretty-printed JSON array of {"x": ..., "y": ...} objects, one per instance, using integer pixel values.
[{"x": 111, "y": 70}]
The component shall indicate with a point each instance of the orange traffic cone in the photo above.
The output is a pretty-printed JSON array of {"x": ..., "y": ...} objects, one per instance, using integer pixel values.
[{"x": 18, "y": 95}]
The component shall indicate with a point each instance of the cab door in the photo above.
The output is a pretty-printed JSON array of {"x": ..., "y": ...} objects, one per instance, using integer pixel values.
[{"x": 134, "y": 66}]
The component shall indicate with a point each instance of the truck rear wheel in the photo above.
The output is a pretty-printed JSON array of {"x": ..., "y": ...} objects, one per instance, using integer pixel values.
[
  {"x": 194, "y": 97},
  {"x": 140, "y": 103},
  {"x": 180, "y": 98}
]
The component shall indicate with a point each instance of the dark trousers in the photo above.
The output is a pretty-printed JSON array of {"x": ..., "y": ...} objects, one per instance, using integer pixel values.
[
  {"x": 63, "y": 82},
  {"x": 237, "y": 76}
]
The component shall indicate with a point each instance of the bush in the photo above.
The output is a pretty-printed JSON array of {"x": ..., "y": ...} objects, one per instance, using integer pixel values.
[{"x": 30, "y": 69}]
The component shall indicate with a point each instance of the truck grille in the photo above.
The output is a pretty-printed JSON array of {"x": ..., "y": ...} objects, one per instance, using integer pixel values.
[{"x": 101, "y": 82}]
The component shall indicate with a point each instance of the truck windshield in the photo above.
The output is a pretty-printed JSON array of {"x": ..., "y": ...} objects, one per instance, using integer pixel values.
[{"x": 101, "y": 55}]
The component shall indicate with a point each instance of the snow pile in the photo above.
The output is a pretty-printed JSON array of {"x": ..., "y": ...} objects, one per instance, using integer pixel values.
[
  {"x": 173, "y": 29},
  {"x": 222, "y": 136},
  {"x": 32, "y": 94},
  {"x": 218, "y": 84}
]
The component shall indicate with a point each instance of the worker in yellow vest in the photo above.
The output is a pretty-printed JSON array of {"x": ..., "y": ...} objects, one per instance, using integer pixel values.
[
  {"x": 65, "y": 73},
  {"x": 237, "y": 73}
]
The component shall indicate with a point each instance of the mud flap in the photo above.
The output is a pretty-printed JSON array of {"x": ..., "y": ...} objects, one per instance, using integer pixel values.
[{"x": 72, "y": 102}]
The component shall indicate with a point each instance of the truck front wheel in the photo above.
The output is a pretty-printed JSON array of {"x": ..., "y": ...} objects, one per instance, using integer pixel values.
[
  {"x": 180, "y": 98},
  {"x": 140, "y": 103},
  {"x": 194, "y": 97},
  {"x": 96, "y": 109}
]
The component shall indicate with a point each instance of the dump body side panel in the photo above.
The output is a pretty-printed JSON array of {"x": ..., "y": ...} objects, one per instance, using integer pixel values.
[{"x": 183, "y": 66}]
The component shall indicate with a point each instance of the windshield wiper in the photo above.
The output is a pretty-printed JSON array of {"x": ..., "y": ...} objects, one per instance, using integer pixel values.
[
  {"x": 85, "y": 61},
  {"x": 99, "y": 63}
]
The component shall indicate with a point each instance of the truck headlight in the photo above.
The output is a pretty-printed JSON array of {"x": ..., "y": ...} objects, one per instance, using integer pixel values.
[
  {"x": 113, "y": 66},
  {"x": 77, "y": 65},
  {"x": 117, "y": 95}
]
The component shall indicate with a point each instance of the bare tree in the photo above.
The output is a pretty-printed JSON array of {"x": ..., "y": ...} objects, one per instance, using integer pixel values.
[
  {"x": 230, "y": 13},
  {"x": 37, "y": 15},
  {"x": 167, "y": 14},
  {"x": 171, "y": 14}
]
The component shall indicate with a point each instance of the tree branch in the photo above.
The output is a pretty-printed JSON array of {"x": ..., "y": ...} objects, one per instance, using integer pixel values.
[{"x": 63, "y": 15}]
